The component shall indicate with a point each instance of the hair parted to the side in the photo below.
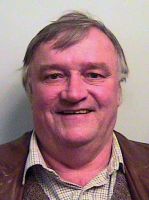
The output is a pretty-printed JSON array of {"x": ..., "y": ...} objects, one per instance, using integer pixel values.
[{"x": 66, "y": 31}]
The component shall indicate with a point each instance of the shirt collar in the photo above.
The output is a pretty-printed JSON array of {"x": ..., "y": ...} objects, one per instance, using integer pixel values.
[
  {"x": 35, "y": 157},
  {"x": 116, "y": 158}
]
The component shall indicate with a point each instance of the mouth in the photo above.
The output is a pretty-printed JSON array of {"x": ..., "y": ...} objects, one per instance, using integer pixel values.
[{"x": 75, "y": 112}]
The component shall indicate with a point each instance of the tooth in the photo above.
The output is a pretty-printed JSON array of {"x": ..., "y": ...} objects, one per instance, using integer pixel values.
[
  {"x": 76, "y": 112},
  {"x": 82, "y": 111}
]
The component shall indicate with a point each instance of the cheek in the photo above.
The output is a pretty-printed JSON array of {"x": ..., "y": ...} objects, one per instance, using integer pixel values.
[
  {"x": 107, "y": 95},
  {"x": 44, "y": 96}
]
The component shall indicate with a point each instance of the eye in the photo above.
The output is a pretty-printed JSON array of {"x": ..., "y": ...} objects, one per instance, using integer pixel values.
[
  {"x": 94, "y": 75},
  {"x": 55, "y": 76}
]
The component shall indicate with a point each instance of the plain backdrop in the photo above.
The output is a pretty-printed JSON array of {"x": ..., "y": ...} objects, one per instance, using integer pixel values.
[{"x": 20, "y": 20}]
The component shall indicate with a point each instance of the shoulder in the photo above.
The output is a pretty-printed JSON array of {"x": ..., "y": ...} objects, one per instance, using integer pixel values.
[
  {"x": 125, "y": 141},
  {"x": 136, "y": 152},
  {"x": 14, "y": 151},
  {"x": 12, "y": 161}
]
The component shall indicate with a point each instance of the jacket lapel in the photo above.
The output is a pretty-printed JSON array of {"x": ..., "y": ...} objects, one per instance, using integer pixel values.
[{"x": 136, "y": 160}]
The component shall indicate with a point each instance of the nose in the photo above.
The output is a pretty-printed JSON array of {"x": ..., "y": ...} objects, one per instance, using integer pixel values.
[{"x": 75, "y": 90}]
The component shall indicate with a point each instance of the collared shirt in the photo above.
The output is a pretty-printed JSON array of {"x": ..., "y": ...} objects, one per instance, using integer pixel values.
[{"x": 101, "y": 187}]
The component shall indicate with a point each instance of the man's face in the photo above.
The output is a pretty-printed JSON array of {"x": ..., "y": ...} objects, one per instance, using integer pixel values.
[{"x": 75, "y": 91}]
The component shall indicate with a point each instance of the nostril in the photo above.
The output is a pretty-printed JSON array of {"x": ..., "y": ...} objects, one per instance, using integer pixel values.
[
  {"x": 75, "y": 90},
  {"x": 73, "y": 95}
]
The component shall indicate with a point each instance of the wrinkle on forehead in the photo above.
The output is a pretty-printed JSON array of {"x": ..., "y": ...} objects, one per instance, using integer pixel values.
[{"x": 80, "y": 52}]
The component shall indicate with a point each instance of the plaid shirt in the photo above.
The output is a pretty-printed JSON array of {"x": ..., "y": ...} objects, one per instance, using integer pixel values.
[{"x": 101, "y": 187}]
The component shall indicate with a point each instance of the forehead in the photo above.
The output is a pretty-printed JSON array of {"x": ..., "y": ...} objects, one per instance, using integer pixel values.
[{"x": 94, "y": 47}]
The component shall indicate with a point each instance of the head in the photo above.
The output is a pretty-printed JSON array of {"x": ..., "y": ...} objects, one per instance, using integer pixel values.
[
  {"x": 67, "y": 31},
  {"x": 72, "y": 72}
]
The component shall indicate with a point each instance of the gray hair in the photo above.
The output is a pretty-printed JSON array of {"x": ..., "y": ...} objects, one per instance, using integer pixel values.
[{"x": 66, "y": 31}]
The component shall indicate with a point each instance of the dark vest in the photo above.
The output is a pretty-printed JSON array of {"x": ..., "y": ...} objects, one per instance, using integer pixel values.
[
  {"x": 135, "y": 156},
  {"x": 33, "y": 190}
]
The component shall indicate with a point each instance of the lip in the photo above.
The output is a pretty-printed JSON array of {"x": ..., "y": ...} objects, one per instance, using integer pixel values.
[{"x": 80, "y": 111}]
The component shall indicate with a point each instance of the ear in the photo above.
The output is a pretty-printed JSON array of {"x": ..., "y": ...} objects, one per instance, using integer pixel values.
[
  {"x": 29, "y": 90},
  {"x": 119, "y": 96}
]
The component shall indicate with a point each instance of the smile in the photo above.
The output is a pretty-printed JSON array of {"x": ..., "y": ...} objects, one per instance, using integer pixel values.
[{"x": 75, "y": 112}]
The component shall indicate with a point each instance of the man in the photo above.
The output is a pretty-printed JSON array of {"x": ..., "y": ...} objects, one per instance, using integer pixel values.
[{"x": 72, "y": 73}]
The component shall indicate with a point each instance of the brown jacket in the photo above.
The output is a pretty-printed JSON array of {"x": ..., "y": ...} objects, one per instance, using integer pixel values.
[{"x": 13, "y": 157}]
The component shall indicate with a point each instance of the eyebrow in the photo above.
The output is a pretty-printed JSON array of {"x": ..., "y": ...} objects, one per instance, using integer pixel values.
[
  {"x": 46, "y": 67},
  {"x": 95, "y": 65},
  {"x": 84, "y": 65}
]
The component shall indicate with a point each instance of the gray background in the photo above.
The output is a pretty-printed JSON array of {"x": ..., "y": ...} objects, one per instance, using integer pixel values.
[{"x": 21, "y": 20}]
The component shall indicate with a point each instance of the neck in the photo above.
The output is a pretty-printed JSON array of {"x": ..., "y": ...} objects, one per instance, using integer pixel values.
[{"x": 79, "y": 165}]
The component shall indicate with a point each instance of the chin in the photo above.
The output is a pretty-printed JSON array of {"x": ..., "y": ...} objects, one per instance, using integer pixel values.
[{"x": 77, "y": 138}]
